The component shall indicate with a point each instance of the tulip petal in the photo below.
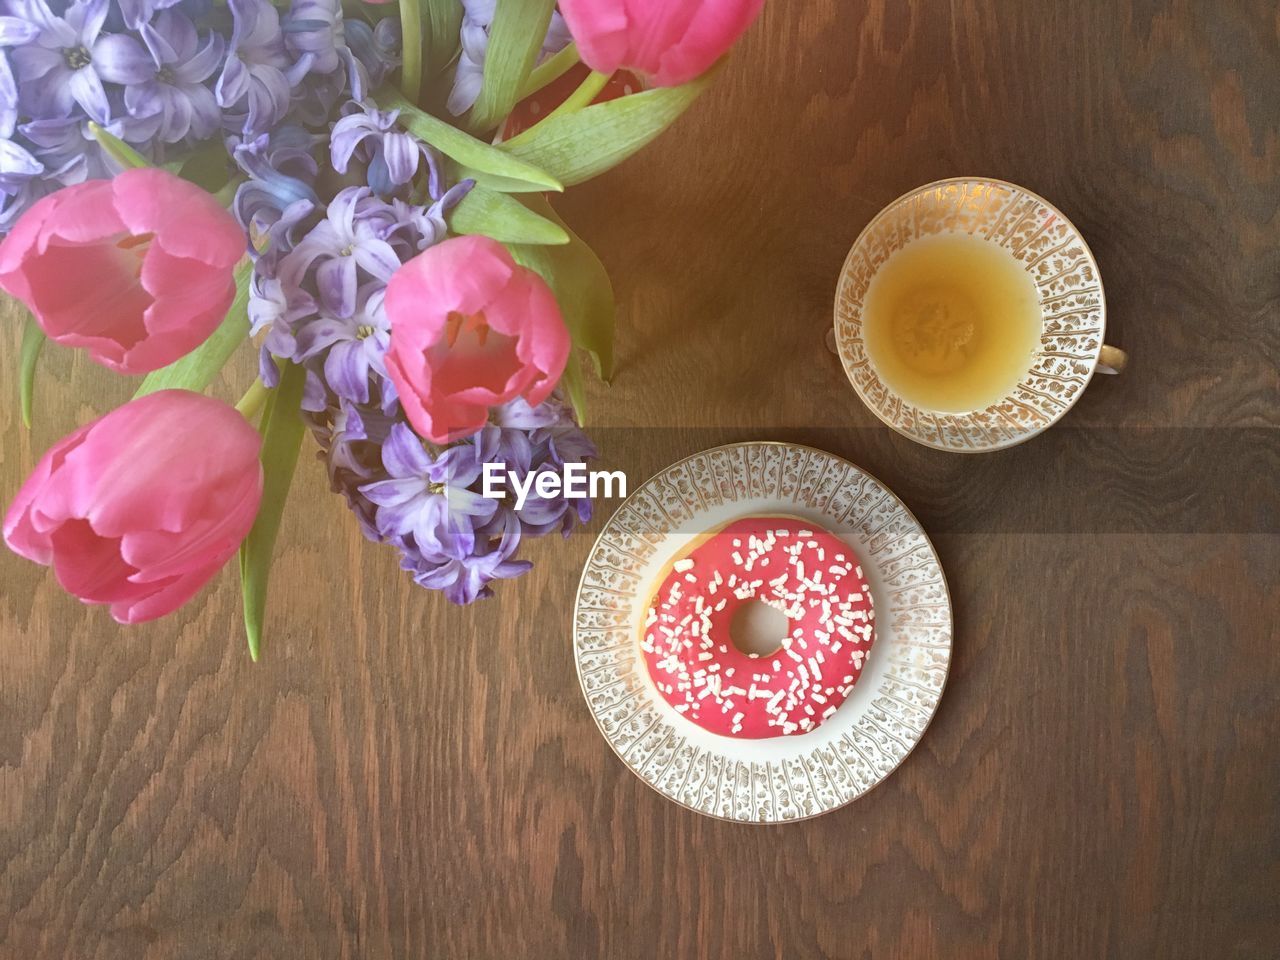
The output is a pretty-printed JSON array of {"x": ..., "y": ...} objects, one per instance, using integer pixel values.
[
  {"x": 161, "y": 599},
  {"x": 162, "y": 554},
  {"x": 121, "y": 493},
  {"x": 186, "y": 221},
  {"x": 669, "y": 41},
  {"x": 140, "y": 507},
  {"x": 21, "y": 535},
  {"x": 103, "y": 311},
  {"x": 600, "y": 30},
  {"x": 83, "y": 214},
  {"x": 505, "y": 335},
  {"x": 715, "y": 26},
  {"x": 90, "y": 566}
]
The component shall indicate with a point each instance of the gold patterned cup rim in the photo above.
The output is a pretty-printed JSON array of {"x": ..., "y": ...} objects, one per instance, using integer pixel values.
[
  {"x": 783, "y": 779},
  {"x": 1072, "y": 302}
]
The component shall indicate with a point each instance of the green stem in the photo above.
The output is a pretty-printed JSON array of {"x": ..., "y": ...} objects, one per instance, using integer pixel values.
[
  {"x": 582, "y": 97},
  {"x": 32, "y": 340},
  {"x": 550, "y": 70},
  {"x": 411, "y": 49},
  {"x": 253, "y": 399},
  {"x": 117, "y": 149}
]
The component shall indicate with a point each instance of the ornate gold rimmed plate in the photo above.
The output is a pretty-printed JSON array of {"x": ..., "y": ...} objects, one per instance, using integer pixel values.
[
  {"x": 783, "y": 778},
  {"x": 1040, "y": 240}
]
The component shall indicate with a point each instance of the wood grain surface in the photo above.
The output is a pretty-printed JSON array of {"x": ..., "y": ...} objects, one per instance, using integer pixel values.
[{"x": 401, "y": 779}]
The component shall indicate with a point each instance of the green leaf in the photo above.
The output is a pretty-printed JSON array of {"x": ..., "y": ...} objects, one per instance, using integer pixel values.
[
  {"x": 571, "y": 380},
  {"x": 550, "y": 70},
  {"x": 411, "y": 48},
  {"x": 282, "y": 430},
  {"x": 582, "y": 288},
  {"x": 515, "y": 39},
  {"x": 197, "y": 369},
  {"x": 483, "y": 160},
  {"x": 32, "y": 340},
  {"x": 117, "y": 149},
  {"x": 577, "y": 146},
  {"x": 442, "y": 27},
  {"x": 207, "y": 167},
  {"x": 503, "y": 218},
  {"x": 500, "y": 184}
]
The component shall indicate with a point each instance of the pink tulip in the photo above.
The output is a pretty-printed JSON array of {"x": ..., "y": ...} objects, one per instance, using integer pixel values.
[
  {"x": 141, "y": 507},
  {"x": 470, "y": 330},
  {"x": 137, "y": 269},
  {"x": 668, "y": 41}
]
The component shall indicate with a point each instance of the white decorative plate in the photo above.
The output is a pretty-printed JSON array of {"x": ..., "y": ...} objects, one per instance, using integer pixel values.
[{"x": 783, "y": 778}]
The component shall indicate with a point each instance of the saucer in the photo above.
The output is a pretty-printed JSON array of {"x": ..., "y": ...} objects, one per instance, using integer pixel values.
[
  {"x": 1072, "y": 305},
  {"x": 782, "y": 778}
]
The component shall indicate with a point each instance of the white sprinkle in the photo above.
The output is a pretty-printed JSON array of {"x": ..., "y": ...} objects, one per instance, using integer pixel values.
[{"x": 682, "y": 565}]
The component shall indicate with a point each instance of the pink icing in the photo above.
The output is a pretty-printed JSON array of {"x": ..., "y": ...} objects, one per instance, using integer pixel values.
[{"x": 797, "y": 568}]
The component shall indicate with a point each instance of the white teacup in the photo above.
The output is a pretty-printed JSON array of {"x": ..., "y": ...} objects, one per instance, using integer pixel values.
[{"x": 1072, "y": 309}]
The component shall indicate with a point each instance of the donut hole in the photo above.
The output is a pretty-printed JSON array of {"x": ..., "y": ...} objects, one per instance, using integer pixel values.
[{"x": 758, "y": 629}]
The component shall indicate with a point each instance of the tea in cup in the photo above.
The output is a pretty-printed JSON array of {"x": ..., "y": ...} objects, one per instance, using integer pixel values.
[{"x": 970, "y": 315}]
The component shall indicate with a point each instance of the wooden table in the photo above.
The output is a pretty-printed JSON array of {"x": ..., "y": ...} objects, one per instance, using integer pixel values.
[{"x": 399, "y": 778}]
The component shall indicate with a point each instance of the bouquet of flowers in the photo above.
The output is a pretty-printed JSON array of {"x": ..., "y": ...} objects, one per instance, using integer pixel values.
[{"x": 362, "y": 189}]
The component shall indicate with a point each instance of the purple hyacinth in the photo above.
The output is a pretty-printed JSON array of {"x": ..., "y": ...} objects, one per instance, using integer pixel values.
[
  {"x": 134, "y": 13},
  {"x": 428, "y": 496},
  {"x": 392, "y": 155},
  {"x": 466, "y": 579},
  {"x": 176, "y": 92},
  {"x": 533, "y": 440},
  {"x": 356, "y": 343},
  {"x": 258, "y": 77},
  {"x": 279, "y": 194},
  {"x": 315, "y": 33},
  {"x": 354, "y": 439},
  {"x": 63, "y": 61},
  {"x": 353, "y": 238},
  {"x": 68, "y": 149},
  {"x": 376, "y": 47},
  {"x": 8, "y": 98},
  {"x": 49, "y": 155}
]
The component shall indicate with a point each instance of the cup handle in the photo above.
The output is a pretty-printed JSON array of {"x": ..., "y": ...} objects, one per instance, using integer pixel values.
[{"x": 1111, "y": 359}]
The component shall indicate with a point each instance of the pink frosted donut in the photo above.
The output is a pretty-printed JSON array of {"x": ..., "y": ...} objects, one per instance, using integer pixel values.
[{"x": 791, "y": 565}]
